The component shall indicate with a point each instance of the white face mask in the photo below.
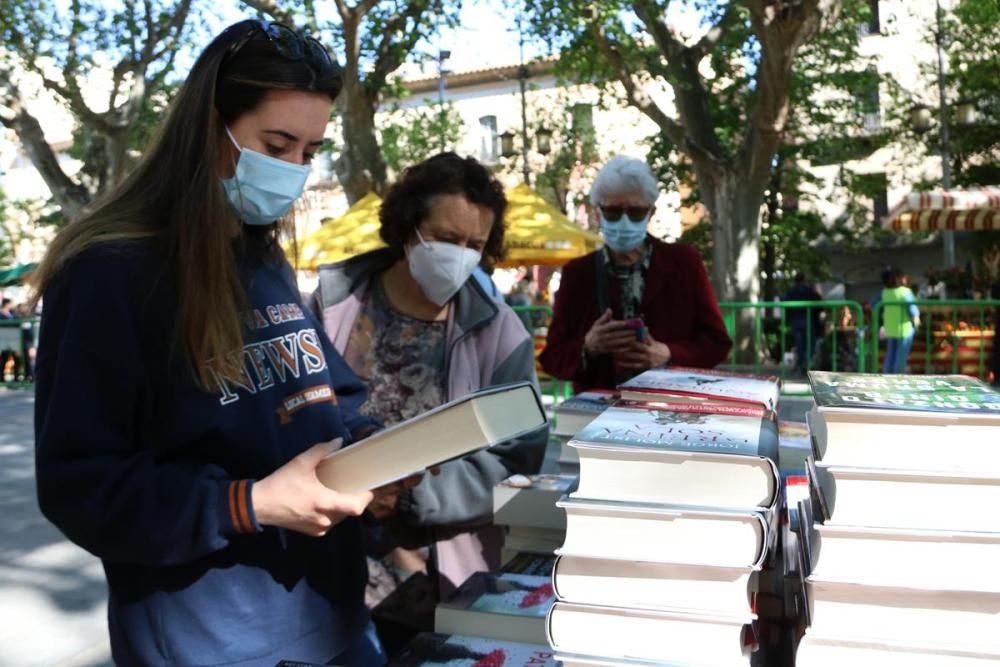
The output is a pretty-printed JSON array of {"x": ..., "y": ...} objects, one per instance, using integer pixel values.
[{"x": 440, "y": 268}]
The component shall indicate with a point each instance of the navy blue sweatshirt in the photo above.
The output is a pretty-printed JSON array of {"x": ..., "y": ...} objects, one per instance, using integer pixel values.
[{"x": 153, "y": 475}]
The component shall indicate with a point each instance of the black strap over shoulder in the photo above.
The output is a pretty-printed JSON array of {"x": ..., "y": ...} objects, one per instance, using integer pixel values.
[{"x": 601, "y": 283}]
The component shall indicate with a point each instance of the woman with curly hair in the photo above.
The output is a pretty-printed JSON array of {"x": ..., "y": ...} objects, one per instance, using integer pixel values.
[{"x": 419, "y": 332}]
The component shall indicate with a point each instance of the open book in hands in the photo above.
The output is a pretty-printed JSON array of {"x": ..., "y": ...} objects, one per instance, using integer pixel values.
[{"x": 457, "y": 428}]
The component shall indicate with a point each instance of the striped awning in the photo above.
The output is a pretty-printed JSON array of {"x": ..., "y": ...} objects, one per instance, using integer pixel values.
[{"x": 958, "y": 210}]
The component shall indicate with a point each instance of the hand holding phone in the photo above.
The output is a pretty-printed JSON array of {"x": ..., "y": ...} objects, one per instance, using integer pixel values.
[{"x": 637, "y": 325}]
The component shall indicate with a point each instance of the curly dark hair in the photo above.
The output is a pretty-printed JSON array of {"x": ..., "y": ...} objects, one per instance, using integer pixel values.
[{"x": 408, "y": 201}]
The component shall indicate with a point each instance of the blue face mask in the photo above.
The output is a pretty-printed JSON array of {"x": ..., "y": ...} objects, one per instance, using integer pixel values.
[
  {"x": 264, "y": 188},
  {"x": 624, "y": 235}
]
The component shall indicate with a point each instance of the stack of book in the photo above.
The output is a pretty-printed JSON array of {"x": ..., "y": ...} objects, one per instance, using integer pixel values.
[
  {"x": 570, "y": 417},
  {"x": 526, "y": 506},
  {"x": 671, "y": 523},
  {"x": 906, "y": 483}
]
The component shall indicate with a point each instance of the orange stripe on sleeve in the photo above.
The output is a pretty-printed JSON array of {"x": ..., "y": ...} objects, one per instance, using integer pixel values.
[
  {"x": 241, "y": 503},
  {"x": 232, "y": 506}
]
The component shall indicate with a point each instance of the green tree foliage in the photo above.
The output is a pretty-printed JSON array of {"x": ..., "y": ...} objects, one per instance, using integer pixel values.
[
  {"x": 373, "y": 39},
  {"x": 72, "y": 49},
  {"x": 973, "y": 34},
  {"x": 737, "y": 89},
  {"x": 409, "y": 136}
]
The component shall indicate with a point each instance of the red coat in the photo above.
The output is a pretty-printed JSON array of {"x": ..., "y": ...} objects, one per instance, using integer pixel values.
[{"x": 678, "y": 306}]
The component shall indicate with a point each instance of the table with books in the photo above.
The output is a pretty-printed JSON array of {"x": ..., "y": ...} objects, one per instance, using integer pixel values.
[
  {"x": 900, "y": 535},
  {"x": 680, "y": 523}
]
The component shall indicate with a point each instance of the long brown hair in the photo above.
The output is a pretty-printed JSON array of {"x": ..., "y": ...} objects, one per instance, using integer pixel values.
[{"x": 175, "y": 197}]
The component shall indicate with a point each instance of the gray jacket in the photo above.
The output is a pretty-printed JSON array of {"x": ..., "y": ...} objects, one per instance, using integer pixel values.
[{"x": 486, "y": 345}]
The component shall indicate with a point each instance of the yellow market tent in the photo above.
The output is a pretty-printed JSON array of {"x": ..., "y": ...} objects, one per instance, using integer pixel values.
[
  {"x": 538, "y": 233},
  {"x": 351, "y": 234}
]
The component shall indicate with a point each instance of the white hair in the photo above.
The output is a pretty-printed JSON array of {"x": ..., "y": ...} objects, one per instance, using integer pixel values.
[{"x": 623, "y": 174}]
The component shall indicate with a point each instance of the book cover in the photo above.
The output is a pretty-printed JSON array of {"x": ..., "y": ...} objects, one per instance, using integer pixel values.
[
  {"x": 683, "y": 427},
  {"x": 428, "y": 649},
  {"x": 703, "y": 384},
  {"x": 946, "y": 394}
]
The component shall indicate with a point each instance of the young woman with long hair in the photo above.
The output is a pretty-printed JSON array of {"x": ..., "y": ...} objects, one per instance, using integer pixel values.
[{"x": 185, "y": 396}]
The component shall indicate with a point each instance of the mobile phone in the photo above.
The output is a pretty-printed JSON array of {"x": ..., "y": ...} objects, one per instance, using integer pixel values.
[{"x": 638, "y": 326}]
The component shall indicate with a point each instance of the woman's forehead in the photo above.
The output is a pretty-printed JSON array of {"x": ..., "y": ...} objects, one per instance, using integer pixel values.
[
  {"x": 455, "y": 213},
  {"x": 626, "y": 197}
]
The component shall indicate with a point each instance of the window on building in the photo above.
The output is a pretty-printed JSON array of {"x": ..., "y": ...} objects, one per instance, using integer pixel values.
[
  {"x": 868, "y": 102},
  {"x": 874, "y": 25},
  {"x": 488, "y": 139},
  {"x": 880, "y": 198},
  {"x": 583, "y": 117}
]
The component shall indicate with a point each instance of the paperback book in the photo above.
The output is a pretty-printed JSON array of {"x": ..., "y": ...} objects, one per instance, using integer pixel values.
[
  {"x": 580, "y": 409},
  {"x": 432, "y": 649},
  {"x": 506, "y": 606},
  {"x": 530, "y": 500}
]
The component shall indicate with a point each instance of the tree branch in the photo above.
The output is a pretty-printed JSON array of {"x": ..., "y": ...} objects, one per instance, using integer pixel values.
[
  {"x": 70, "y": 196},
  {"x": 716, "y": 32},
  {"x": 343, "y": 10},
  {"x": 390, "y": 53},
  {"x": 272, "y": 9},
  {"x": 634, "y": 95},
  {"x": 650, "y": 13}
]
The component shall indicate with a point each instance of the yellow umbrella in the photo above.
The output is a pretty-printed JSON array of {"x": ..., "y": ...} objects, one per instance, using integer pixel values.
[
  {"x": 351, "y": 234},
  {"x": 538, "y": 233}
]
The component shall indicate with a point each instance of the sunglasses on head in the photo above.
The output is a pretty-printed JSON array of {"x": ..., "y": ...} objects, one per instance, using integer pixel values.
[
  {"x": 634, "y": 213},
  {"x": 288, "y": 43}
]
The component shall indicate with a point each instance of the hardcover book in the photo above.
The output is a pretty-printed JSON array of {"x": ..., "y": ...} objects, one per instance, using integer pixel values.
[
  {"x": 478, "y": 420},
  {"x": 666, "y": 533},
  {"x": 660, "y": 637},
  {"x": 433, "y": 649},
  {"x": 685, "y": 454},
  {"x": 530, "y": 500},
  {"x": 822, "y": 652},
  {"x": 933, "y": 619},
  {"x": 698, "y": 385},
  {"x": 915, "y": 500},
  {"x": 930, "y": 559},
  {"x": 936, "y": 394},
  {"x": 665, "y": 586},
  {"x": 506, "y": 606}
]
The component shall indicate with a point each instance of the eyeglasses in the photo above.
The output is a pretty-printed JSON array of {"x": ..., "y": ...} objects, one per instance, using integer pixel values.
[
  {"x": 288, "y": 43},
  {"x": 634, "y": 213}
]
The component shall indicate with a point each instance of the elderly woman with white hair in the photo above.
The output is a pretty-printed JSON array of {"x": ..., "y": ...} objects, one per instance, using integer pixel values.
[{"x": 637, "y": 303}]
